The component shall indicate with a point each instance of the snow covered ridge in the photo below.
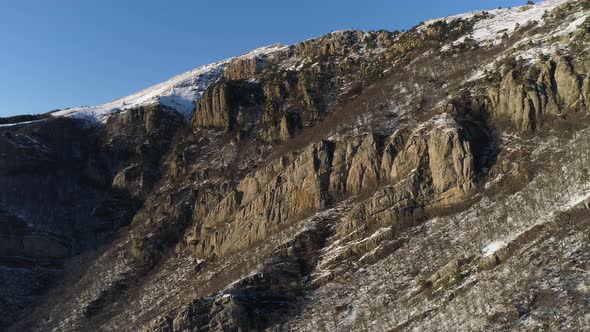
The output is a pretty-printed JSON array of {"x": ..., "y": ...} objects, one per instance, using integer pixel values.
[
  {"x": 180, "y": 92},
  {"x": 20, "y": 123},
  {"x": 492, "y": 27},
  {"x": 503, "y": 19}
]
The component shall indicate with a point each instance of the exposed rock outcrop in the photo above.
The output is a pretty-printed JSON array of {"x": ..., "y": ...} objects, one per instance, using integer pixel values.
[
  {"x": 437, "y": 167},
  {"x": 136, "y": 140},
  {"x": 558, "y": 88}
]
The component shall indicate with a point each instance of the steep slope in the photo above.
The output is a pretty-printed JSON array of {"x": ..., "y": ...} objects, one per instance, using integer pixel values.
[{"x": 435, "y": 179}]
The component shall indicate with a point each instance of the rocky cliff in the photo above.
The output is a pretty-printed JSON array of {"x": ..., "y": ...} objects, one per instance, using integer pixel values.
[{"x": 432, "y": 179}]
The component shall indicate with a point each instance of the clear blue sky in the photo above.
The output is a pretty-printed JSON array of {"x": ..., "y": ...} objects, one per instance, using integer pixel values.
[{"x": 67, "y": 53}]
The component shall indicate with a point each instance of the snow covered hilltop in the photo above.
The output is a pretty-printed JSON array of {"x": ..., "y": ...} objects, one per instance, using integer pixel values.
[
  {"x": 427, "y": 180},
  {"x": 179, "y": 93}
]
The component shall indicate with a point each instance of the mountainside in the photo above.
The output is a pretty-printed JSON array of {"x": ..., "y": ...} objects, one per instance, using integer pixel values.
[{"x": 435, "y": 179}]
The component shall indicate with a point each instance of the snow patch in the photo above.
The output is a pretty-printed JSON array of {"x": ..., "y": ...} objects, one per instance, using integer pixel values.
[
  {"x": 20, "y": 123},
  {"x": 493, "y": 247},
  {"x": 573, "y": 26},
  {"x": 505, "y": 20}
]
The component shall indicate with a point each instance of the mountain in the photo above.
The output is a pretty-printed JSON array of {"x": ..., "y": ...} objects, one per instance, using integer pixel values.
[{"x": 435, "y": 179}]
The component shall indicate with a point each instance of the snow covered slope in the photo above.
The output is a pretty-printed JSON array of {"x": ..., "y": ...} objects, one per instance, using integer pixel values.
[
  {"x": 503, "y": 19},
  {"x": 492, "y": 26},
  {"x": 180, "y": 92},
  {"x": 506, "y": 20}
]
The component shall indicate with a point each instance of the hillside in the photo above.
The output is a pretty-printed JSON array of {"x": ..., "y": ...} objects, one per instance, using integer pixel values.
[{"x": 435, "y": 179}]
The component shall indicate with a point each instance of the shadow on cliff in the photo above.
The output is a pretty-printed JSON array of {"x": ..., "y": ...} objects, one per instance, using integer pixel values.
[
  {"x": 279, "y": 292},
  {"x": 74, "y": 186},
  {"x": 272, "y": 297}
]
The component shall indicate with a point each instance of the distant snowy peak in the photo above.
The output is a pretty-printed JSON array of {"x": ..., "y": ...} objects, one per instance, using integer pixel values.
[{"x": 180, "y": 92}]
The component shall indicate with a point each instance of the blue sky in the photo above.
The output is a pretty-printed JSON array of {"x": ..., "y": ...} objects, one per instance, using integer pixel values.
[{"x": 67, "y": 53}]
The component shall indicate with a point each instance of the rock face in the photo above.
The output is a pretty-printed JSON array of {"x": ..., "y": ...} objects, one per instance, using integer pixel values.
[
  {"x": 137, "y": 139},
  {"x": 67, "y": 188},
  {"x": 557, "y": 89},
  {"x": 359, "y": 181},
  {"x": 294, "y": 186},
  {"x": 230, "y": 106}
]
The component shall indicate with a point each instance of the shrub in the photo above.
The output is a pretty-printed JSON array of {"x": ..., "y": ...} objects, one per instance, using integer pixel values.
[
  {"x": 424, "y": 284},
  {"x": 533, "y": 73},
  {"x": 544, "y": 57},
  {"x": 468, "y": 44},
  {"x": 511, "y": 63},
  {"x": 584, "y": 176}
]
